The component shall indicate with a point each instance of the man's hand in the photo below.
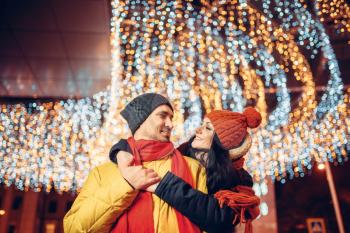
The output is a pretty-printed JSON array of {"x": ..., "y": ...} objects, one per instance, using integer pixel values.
[{"x": 137, "y": 176}]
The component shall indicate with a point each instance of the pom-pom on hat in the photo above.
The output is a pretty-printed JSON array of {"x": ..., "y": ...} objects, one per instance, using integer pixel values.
[{"x": 231, "y": 127}]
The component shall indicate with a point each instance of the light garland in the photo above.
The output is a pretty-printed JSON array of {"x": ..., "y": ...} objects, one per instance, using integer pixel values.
[
  {"x": 335, "y": 12},
  {"x": 203, "y": 55},
  {"x": 44, "y": 146}
]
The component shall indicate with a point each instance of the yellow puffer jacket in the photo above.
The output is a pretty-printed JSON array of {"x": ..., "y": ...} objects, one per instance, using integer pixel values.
[{"x": 105, "y": 195}]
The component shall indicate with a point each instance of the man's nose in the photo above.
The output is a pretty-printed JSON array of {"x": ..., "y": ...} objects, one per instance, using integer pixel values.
[{"x": 169, "y": 123}]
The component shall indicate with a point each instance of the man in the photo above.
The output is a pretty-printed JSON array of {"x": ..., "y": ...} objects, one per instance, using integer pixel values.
[{"x": 112, "y": 200}]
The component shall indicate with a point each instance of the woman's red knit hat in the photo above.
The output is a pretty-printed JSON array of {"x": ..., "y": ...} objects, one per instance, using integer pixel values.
[{"x": 231, "y": 127}]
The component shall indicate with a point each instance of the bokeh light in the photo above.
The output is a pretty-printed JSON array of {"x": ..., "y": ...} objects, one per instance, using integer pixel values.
[{"x": 203, "y": 55}]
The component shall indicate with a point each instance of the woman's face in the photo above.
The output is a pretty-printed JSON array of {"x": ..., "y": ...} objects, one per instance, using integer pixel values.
[{"x": 204, "y": 135}]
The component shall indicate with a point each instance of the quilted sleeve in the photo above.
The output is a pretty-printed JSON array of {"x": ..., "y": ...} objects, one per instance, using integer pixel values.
[
  {"x": 202, "y": 209},
  {"x": 98, "y": 205}
]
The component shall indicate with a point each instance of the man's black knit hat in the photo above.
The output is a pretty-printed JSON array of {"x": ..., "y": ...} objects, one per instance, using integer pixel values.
[{"x": 138, "y": 110}]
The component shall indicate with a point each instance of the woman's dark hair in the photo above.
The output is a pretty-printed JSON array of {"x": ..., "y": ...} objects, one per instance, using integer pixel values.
[{"x": 220, "y": 173}]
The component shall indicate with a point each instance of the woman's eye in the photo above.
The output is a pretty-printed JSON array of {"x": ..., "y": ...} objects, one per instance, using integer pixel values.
[{"x": 208, "y": 128}]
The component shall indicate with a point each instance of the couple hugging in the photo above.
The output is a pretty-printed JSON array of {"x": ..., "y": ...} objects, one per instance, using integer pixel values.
[{"x": 151, "y": 187}]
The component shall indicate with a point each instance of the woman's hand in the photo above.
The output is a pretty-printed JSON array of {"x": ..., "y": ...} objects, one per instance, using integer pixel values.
[
  {"x": 152, "y": 188},
  {"x": 124, "y": 159}
]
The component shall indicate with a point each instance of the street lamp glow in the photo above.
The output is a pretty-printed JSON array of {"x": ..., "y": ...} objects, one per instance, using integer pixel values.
[
  {"x": 321, "y": 166},
  {"x": 2, "y": 212}
]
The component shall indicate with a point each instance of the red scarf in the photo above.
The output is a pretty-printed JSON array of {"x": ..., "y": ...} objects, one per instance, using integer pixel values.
[
  {"x": 241, "y": 199},
  {"x": 142, "y": 208}
]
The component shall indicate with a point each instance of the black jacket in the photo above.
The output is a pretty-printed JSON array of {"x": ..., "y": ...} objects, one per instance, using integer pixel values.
[{"x": 202, "y": 209}]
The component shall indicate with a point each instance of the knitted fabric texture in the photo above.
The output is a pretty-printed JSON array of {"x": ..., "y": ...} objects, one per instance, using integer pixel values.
[
  {"x": 231, "y": 127},
  {"x": 242, "y": 149},
  {"x": 138, "y": 110},
  {"x": 241, "y": 199},
  {"x": 238, "y": 163}
]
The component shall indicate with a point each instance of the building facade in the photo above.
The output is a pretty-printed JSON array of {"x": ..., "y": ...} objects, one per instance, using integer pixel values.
[{"x": 33, "y": 212}]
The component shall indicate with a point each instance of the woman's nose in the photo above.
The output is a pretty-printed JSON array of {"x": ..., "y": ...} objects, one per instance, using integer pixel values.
[{"x": 199, "y": 130}]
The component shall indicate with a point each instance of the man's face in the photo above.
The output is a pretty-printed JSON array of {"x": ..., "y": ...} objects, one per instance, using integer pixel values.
[{"x": 158, "y": 125}]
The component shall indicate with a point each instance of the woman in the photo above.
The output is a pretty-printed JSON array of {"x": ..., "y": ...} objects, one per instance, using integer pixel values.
[{"x": 221, "y": 139}]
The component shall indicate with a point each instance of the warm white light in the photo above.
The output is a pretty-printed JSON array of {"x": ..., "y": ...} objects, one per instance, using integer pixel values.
[
  {"x": 321, "y": 166},
  {"x": 264, "y": 209},
  {"x": 225, "y": 54}
]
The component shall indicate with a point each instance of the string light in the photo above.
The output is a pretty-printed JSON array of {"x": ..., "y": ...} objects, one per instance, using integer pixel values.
[
  {"x": 203, "y": 55},
  {"x": 44, "y": 146},
  {"x": 336, "y": 13}
]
